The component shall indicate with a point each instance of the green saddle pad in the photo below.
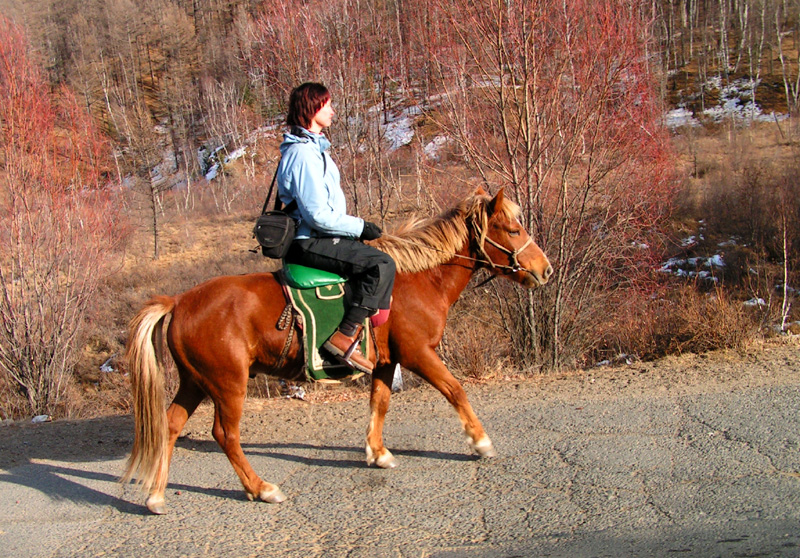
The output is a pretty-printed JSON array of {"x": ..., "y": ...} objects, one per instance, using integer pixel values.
[{"x": 318, "y": 296}]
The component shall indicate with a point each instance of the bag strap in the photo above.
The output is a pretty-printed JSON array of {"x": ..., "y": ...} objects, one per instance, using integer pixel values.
[
  {"x": 269, "y": 194},
  {"x": 289, "y": 208}
]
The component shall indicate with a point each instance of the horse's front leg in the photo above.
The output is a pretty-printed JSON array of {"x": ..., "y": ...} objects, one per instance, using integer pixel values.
[
  {"x": 377, "y": 454},
  {"x": 427, "y": 364}
]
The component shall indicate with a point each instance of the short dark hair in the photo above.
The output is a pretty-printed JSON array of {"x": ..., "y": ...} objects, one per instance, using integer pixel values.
[{"x": 304, "y": 102}]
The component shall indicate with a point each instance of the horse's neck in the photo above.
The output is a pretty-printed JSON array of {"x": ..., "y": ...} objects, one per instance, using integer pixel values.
[{"x": 453, "y": 276}]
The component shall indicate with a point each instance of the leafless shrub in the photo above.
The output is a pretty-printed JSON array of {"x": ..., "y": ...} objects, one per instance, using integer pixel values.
[
  {"x": 749, "y": 202},
  {"x": 11, "y": 404},
  {"x": 60, "y": 230},
  {"x": 109, "y": 395},
  {"x": 681, "y": 321}
]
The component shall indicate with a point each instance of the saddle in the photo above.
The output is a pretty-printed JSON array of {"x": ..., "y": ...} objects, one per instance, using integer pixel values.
[{"x": 319, "y": 301}]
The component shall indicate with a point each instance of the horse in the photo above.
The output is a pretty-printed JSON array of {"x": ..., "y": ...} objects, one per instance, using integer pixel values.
[{"x": 225, "y": 330}]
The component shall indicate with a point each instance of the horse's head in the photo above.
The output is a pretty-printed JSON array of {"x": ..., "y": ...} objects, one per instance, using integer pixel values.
[{"x": 506, "y": 246}]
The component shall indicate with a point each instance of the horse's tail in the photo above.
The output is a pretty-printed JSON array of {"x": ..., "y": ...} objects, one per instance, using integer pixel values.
[{"x": 149, "y": 462}]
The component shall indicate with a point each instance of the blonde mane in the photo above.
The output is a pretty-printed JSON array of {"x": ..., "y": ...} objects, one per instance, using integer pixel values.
[{"x": 421, "y": 244}]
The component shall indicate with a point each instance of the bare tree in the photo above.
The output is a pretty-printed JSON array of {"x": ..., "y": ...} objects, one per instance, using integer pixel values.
[
  {"x": 786, "y": 21},
  {"x": 143, "y": 154},
  {"x": 59, "y": 231},
  {"x": 557, "y": 102}
]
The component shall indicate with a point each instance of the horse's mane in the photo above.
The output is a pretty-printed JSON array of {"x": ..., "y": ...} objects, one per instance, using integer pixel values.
[{"x": 420, "y": 244}]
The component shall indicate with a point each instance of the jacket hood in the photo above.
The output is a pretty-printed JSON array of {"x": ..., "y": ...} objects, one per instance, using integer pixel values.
[{"x": 300, "y": 135}]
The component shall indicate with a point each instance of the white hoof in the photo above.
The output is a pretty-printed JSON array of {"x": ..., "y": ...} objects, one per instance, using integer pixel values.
[
  {"x": 385, "y": 461},
  {"x": 157, "y": 505},
  {"x": 274, "y": 496},
  {"x": 484, "y": 447}
]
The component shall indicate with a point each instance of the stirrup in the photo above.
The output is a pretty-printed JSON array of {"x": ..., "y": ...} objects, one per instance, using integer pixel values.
[
  {"x": 354, "y": 365},
  {"x": 345, "y": 356}
]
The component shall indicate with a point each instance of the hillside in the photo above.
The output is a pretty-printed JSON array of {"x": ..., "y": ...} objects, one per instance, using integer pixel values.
[{"x": 652, "y": 154}]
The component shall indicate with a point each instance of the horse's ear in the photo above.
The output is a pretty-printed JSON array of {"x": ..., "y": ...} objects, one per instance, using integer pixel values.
[
  {"x": 497, "y": 202},
  {"x": 479, "y": 191}
]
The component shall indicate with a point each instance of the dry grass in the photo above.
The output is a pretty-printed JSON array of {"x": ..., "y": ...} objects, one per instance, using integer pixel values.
[{"x": 685, "y": 321}]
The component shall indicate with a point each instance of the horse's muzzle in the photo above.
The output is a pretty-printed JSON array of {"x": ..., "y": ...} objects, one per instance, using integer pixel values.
[{"x": 536, "y": 278}]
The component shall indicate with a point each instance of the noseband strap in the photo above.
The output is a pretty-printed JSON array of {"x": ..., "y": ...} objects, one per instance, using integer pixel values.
[{"x": 480, "y": 234}]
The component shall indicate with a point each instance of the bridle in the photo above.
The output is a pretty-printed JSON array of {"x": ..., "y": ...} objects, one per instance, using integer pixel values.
[
  {"x": 481, "y": 240},
  {"x": 480, "y": 234}
]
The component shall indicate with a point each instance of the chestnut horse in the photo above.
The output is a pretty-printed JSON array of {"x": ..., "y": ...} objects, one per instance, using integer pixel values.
[{"x": 225, "y": 330}]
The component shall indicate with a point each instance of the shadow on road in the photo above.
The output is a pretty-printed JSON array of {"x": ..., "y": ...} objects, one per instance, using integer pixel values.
[
  {"x": 103, "y": 438},
  {"x": 60, "y": 482},
  {"x": 314, "y": 454},
  {"x": 64, "y": 483}
]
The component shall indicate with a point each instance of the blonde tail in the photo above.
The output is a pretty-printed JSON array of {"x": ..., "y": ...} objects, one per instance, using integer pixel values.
[{"x": 149, "y": 462}]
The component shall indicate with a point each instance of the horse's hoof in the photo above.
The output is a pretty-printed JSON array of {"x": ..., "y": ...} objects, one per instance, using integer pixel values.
[
  {"x": 484, "y": 447},
  {"x": 274, "y": 496},
  {"x": 385, "y": 461},
  {"x": 156, "y": 506}
]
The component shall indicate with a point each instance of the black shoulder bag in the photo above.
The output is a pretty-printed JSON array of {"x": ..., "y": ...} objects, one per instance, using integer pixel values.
[{"x": 275, "y": 230}]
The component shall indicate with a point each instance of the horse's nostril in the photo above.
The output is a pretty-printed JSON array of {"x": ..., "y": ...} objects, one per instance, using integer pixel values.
[{"x": 548, "y": 272}]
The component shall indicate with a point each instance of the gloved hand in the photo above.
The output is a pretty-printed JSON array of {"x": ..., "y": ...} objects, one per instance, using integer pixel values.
[{"x": 371, "y": 231}]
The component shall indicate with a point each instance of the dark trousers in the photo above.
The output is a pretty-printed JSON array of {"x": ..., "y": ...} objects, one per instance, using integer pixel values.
[{"x": 370, "y": 271}]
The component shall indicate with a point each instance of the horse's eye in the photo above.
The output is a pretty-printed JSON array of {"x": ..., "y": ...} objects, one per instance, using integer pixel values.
[{"x": 513, "y": 233}]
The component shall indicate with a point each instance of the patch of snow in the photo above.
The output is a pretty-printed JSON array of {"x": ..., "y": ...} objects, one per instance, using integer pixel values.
[
  {"x": 434, "y": 146},
  {"x": 212, "y": 172},
  {"x": 680, "y": 117},
  {"x": 107, "y": 366},
  {"x": 688, "y": 268},
  {"x": 735, "y": 102},
  {"x": 671, "y": 263},
  {"x": 399, "y": 132},
  {"x": 236, "y": 154},
  {"x": 714, "y": 261},
  {"x": 789, "y": 290},
  {"x": 755, "y": 302},
  {"x": 732, "y": 108},
  {"x": 214, "y": 159}
]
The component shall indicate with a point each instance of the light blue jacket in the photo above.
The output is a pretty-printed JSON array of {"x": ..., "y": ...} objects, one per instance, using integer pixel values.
[{"x": 308, "y": 174}]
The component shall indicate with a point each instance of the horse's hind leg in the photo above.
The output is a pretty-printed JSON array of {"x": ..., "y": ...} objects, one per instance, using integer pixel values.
[
  {"x": 377, "y": 454},
  {"x": 227, "y": 413},
  {"x": 186, "y": 401}
]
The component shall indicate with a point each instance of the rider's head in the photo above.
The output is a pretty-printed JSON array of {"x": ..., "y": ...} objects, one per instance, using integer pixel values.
[{"x": 304, "y": 102}]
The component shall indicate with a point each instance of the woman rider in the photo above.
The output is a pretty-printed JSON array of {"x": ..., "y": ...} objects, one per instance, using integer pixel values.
[{"x": 327, "y": 237}]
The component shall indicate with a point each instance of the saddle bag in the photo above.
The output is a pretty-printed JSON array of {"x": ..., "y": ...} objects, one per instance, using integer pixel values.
[{"x": 274, "y": 230}]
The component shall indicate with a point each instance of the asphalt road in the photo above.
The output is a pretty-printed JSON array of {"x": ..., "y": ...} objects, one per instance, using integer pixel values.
[{"x": 698, "y": 456}]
